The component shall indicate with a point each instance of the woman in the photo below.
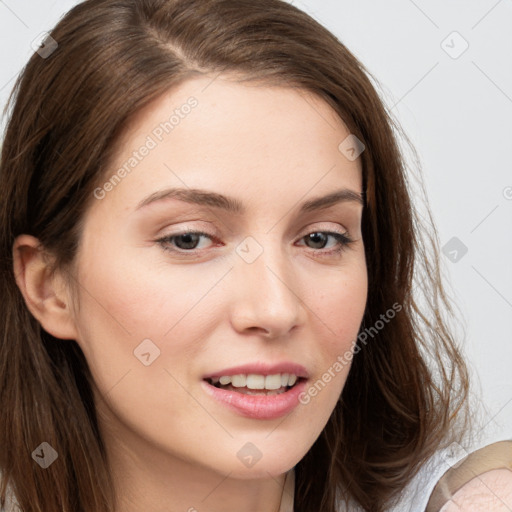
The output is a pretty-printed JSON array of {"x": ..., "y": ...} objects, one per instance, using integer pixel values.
[{"x": 208, "y": 252}]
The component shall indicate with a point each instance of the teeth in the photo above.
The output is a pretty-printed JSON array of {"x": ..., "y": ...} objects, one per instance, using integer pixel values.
[
  {"x": 239, "y": 381},
  {"x": 272, "y": 381},
  {"x": 255, "y": 381}
]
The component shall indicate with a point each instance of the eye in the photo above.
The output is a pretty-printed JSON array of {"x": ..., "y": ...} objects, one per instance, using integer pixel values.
[
  {"x": 186, "y": 241},
  {"x": 189, "y": 241},
  {"x": 319, "y": 240}
]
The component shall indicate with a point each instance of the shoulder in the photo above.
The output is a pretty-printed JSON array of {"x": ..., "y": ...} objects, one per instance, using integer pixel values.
[
  {"x": 490, "y": 491},
  {"x": 481, "y": 480}
]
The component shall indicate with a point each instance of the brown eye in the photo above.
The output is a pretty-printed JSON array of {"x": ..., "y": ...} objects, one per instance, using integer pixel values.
[
  {"x": 319, "y": 240},
  {"x": 186, "y": 241}
]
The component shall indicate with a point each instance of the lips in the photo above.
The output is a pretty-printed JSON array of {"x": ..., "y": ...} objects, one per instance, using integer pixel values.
[
  {"x": 258, "y": 391},
  {"x": 258, "y": 407}
]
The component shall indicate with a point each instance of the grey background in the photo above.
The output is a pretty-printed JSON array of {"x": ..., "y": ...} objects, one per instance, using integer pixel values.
[{"x": 457, "y": 111}]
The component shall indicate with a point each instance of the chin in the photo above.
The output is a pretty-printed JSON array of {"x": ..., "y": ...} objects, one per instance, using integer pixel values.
[
  {"x": 261, "y": 470},
  {"x": 261, "y": 459}
]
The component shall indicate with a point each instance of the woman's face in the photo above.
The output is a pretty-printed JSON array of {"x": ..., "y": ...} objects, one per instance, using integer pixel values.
[{"x": 267, "y": 292}]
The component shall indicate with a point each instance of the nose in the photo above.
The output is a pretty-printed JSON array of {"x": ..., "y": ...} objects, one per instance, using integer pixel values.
[{"x": 264, "y": 300}]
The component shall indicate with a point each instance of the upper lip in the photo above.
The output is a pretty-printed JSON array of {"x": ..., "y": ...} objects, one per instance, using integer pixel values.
[{"x": 261, "y": 368}]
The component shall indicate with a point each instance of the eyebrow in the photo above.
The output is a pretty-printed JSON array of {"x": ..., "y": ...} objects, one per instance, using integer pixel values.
[{"x": 233, "y": 205}]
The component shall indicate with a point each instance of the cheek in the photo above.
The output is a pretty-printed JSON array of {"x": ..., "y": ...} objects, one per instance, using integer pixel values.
[
  {"x": 139, "y": 329},
  {"x": 129, "y": 304},
  {"x": 339, "y": 308}
]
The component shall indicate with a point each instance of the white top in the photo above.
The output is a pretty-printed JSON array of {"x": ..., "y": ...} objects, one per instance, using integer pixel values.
[{"x": 417, "y": 493}]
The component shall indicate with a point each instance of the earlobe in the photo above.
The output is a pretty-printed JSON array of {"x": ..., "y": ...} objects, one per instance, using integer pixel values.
[{"x": 45, "y": 294}]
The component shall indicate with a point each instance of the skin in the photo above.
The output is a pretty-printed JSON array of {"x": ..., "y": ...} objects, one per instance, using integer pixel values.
[
  {"x": 490, "y": 491},
  {"x": 171, "y": 446}
]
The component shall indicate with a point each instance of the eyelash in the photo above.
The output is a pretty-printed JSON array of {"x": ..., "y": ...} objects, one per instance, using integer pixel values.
[{"x": 343, "y": 242}]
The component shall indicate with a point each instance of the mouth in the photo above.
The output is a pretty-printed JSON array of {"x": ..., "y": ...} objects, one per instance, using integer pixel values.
[
  {"x": 258, "y": 391},
  {"x": 256, "y": 384}
]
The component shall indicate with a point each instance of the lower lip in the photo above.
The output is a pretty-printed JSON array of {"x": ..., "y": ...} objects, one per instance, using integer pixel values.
[{"x": 260, "y": 407}]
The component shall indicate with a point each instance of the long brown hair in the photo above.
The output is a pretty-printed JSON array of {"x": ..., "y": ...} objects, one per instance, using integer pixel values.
[{"x": 408, "y": 384}]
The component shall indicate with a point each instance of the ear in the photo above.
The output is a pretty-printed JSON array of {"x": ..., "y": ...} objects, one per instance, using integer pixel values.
[{"x": 46, "y": 295}]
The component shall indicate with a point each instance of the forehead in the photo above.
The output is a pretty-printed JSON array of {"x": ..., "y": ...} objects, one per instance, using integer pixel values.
[{"x": 249, "y": 138}]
